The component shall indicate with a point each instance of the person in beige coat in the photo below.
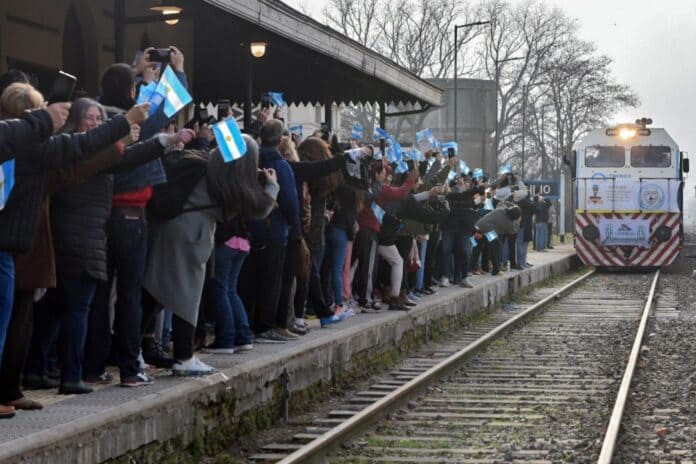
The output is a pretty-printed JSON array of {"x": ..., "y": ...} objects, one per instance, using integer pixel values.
[{"x": 181, "y": 247}]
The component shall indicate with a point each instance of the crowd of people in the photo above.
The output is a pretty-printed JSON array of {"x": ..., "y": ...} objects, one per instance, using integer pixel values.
[{"x": 126, "y": 239}]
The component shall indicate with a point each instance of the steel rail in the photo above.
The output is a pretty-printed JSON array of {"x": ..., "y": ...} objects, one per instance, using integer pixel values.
[
  {"x": 320, "y": 445},
  {"x": 612, "y": 435}
]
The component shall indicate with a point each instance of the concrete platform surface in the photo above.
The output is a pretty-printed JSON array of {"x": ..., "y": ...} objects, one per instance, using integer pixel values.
[{"x": 113, "y": 421}]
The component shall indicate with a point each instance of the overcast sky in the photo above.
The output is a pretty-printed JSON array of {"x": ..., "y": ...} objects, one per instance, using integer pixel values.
[{"x": 653, "y": 45}]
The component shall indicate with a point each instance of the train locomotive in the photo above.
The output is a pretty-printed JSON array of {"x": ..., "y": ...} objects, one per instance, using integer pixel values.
[{"x": 628, "y": 196}]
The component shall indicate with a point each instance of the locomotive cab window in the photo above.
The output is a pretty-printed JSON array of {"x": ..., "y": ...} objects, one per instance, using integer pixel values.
[
  {"x": 605, "y": 157},
  {"x": 651, "y": 157}
]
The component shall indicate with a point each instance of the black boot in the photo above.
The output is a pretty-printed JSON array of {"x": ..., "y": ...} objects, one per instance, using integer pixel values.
[{"x": 155, "y": 355}]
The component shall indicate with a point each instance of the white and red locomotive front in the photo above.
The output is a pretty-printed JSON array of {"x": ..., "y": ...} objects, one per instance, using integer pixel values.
[{"x": 628, "y": 190}]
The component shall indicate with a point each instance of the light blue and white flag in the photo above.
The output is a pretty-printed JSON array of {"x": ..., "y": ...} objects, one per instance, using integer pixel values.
[
  {"x": 490, "y": 236},
  {"x": 357, "y": 132},
  {"x": 488, "y": 205},
  {"x": 506, "y": 169},
  {"x": 401, "y": 167},
  {"x": 379, "y": 212},
  {"x": 394, "y": 154},
  {"x": 380, "y": 134},
  {"x": 473, "y": 241},
  {"x": 277, "y": 98},
  {"x": 447, "y": 145},
  {"x": 418, "y": 156},
  {"x": 146, "y": 92},
  {"x": 451, "y": 176},
  {"x": 172, "y": 92},
  {"x": 229, "y": 139},
  {"x": 478, "y": 173},
  {"x": 422, "y": 135},
  {"x": 7, "y": 181},
  {"x": 297, "y": 129}
]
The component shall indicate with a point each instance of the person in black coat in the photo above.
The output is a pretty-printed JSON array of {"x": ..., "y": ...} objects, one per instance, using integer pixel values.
[
  {"x": 525, "y": 234},
  {"x": 26, "y": 208}
]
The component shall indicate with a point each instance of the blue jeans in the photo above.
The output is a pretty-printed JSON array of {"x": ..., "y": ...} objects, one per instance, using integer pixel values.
[
  {"x": 336, "y": 243},
  {"x": 420, "y": 273},
  {"x": 231, "y": 321},
  {"x": 522, "y": 247},
  {"x": 127, "y": 253},
  {"x": 71, "y": 305},
  {"x": 7, "y": 279},
  {"x": 541, "y": 237}
]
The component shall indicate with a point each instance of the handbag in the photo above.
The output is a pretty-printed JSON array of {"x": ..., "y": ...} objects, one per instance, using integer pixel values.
[{"x": 304, "y": 260}]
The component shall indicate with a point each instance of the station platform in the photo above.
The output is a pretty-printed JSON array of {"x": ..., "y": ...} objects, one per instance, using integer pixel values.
[{"x": 197, "y": 416}]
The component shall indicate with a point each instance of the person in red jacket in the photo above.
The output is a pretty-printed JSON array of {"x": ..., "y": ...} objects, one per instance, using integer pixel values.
[{"x": 366, "y": 240}]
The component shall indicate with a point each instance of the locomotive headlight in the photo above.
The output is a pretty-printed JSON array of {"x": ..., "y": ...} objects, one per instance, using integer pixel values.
[{"x": 627, "y": 133}]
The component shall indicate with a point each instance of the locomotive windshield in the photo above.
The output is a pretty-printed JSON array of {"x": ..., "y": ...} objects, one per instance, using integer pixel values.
[
  {"x": 605, "y": 157},
  {"x": 651, "y": 157}
]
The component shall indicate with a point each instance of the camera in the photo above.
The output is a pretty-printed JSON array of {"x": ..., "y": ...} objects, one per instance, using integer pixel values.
[
  {"x": 223, "y": 107},
  {"x": 159, "y": 55},
  {"x": 450, "y": 152},
  {"x": 262, "y": 177}
]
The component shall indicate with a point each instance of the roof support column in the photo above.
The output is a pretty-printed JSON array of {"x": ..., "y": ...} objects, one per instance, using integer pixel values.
[
  {"x": 248, "y": 88},
  {"x": 328, "y": 114},
  {"x": 382, "y": 124}
]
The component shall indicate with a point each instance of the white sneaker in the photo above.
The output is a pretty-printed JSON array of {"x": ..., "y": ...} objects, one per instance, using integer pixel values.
[
  {"x": 466, "y": 283},
  {"x": 191, "y": 368},
  {"x": 444, "y": 282},
  {"x": 241, "y": 348},
  {"x": 142, "y": 365}
]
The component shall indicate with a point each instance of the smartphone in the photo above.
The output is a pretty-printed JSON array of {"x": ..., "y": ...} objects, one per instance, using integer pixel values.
[
  {"x": 63, "y": 88},
  {"x": 223, "y": 107},
  {"x": 450, "y": 152},
  {"x": 159, "y": 55},
  {"x": 265, "y": 101}
]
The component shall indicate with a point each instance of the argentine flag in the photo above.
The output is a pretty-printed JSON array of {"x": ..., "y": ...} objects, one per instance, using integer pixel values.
[
  {"x": 172, "y": 92},
  {"x": 478, "y": 173},
  {"x": 380, "y": 134},
  {"x": 229, "y": 139},
  {"x": 463, "y": 168},
  {"x": 379, "y": 212},
  {"x": 357, "y": 132},
  {"x": 507, "y": 169},
  {"x": 6, "y": 181},
  {"x": 277, "y": 98},
  {"x": 490, "y": 236},
  {"x": 297, "y": 130},
  {"x": 447, "y": 145},
  {"x": 401, "y": 167}
]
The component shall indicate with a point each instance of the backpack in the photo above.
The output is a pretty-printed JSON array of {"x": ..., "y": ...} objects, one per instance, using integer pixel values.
[{"x": 184, "y": 170}]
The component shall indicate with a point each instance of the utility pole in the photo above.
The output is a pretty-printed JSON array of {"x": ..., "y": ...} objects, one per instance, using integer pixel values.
[{"x": 456, "y": 53}]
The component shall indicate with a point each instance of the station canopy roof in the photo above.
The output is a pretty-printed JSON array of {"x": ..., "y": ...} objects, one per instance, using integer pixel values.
[{"x": 307, "y": 61}]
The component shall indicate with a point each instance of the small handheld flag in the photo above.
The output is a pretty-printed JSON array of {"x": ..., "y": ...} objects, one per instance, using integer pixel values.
[
  {"x": 478, "y": 173},
  {"x": 401, "y": 167},
  {"x": 146, "y": 92},
  {"x": 451, "y": 176},
  {"x": 473, "y": 241},
  {"x": 297, "y": 130},
  {"x": 277, "y": 98},
  {"x": 464, "y": 168},
  {"x": 171, "y": 91},
  {"x": 490, "y": 236},
  {"x": 380, "y": 134},
  {"x": 379, "y": 212},
  {"x": 7, "y": 181},
  {"x": 357, "y": 132},
  {"x": 488, "y": 204},
  {"x": 229, "y": 139},
  {"x": 506, "y": 169},
  {"x": 444, "y": 147}
]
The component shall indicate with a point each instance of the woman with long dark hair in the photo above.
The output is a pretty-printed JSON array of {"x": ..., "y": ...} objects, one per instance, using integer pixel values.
[{"x": 180, "y": 247}]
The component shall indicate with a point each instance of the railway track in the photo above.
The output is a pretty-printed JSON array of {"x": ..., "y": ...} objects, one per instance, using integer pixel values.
[{"x": 552, "y": 390}]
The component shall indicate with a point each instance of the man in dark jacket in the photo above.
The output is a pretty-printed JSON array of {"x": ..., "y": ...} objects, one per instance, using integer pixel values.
[
  {"x": 524, "y": 235},
  {"x": 493, "y": 226},
  {"x": 261, "y": 277},
  {"x": 127, "y": 225},
  {"x": 541, "y": 219}
]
